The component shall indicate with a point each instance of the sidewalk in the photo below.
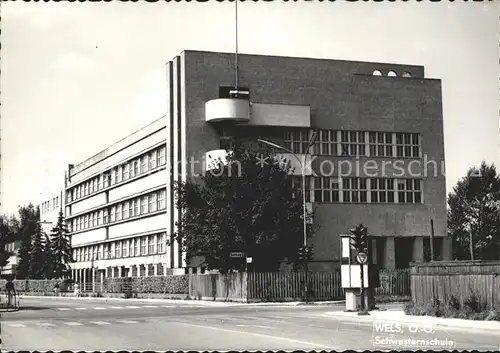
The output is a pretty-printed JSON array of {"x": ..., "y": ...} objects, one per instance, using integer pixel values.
[
  {"x": 184, "y": 302},
  {"x": 398, "y": 316}
]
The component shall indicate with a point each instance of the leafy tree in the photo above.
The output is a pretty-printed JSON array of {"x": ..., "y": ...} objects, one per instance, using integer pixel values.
[
  {"x": 59, "y": 250},
  {"x": 8, "y": 231},
  {"x": 37, "y": 258},
  {"x": 241, "y": 206},
  {"x": 474, "y": 214},
  {"x": 28, "y": 220}
]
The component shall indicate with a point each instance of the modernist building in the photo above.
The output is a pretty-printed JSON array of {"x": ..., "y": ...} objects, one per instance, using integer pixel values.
[
  {"x": 51, "y": 205},
  {"x": 378, "y": 160}
]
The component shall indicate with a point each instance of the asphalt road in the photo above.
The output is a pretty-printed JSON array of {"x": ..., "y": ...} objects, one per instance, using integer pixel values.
[{"x": 67, "y": 324}]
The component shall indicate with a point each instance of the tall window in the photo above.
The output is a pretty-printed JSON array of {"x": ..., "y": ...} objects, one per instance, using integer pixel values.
[
  {"x": 152, "y": 159},
  {"x": 144, "y": 204},
  {"x": 131, "y": 247},
  {"x": 353, "y": 143},
  {"x": 136, "y": 167},
  {"x": 161, "y": 156},
  {"x": 131, "y": 208},
  {"x": 407, "y": 145},
  {"x": 106, "y": 216},
  {"x": 100, "y": 181},
  {"x": 161, "y": 199},
  {"x": 85, "y": 189},
  {"x": 152, "y": 202},
  {"x": 124, "y": 171},
  {"x": 326, "y": 144},
  {"x": 91, "y": 186},
  {"x": 99, "y": 218},
  {"x": 409, "y": 191},
  {"x": 354, "y": 189},
  {"x": 113, "y": 176},
  {"x": 113, "y": 214},
  {"x": 160, "y": 239},
  {"x": 136, "y": 206},
  {"x": 118, "y": 174},
  {"x": 151, "y": 244},
  {"x": 85, "y": 222},
  {"x": 144, "y": 164},
  {"x": 131, "y": 169},
  {"x": 297, "y": 140},
  {"x": 119, "y": 212},
  {"x": 125, "y": 210},
  {"x": 143, "y": 245},
  {"x": 382, "y": 190},
  {"x": 118, "y": 249},
  {"x": 125, "y": 248},
  {"x": 326, "y": 189},
  {"x": 380, "y": 144}
]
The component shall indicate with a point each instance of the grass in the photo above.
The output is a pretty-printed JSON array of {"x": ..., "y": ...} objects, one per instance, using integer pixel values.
[{"x": 472, "y": 309}]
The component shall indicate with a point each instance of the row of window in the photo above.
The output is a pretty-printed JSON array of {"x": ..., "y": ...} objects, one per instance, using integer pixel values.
[
  {"x": 361, "y": 190},
  {"x": 138, "y": 246},
  {"x": 123, "y": 172},
  {"x": 137, "y": 206},
  {"x": 50, "y": 205},
  {"x": 355, "y": 143},
  {"x": 391, "y": 74}
]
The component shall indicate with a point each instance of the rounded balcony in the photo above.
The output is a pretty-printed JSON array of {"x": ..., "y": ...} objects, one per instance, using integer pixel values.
[{"x": 227, "y": 109}]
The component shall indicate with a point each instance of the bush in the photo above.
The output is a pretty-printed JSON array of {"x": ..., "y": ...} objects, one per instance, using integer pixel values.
[{"x": 474, "y": 304}]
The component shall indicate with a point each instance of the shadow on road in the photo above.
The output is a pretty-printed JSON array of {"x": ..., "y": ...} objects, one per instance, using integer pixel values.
[{"x": 26, "y": 308}]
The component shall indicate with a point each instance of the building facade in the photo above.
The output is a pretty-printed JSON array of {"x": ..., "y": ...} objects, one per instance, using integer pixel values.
[
  {"x": 378, "y": 160},
  {"x": 51, "y": 205}
]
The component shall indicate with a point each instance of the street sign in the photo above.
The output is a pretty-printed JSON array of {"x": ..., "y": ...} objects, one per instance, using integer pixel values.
[
  {"x": 249, "y": 260},
  {"x": 237, "y": 255},
  {"x": 361, "y": 258}
]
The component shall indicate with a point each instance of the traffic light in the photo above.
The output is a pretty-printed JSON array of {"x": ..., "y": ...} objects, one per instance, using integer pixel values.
[
  {"x": 309, "y": 253},
  {"x": 301, "y": 253},
  {"x": 359, "y": 238}
]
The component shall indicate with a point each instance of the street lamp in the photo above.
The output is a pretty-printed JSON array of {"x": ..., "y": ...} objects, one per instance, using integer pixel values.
[{"x": 313, "y": 139}]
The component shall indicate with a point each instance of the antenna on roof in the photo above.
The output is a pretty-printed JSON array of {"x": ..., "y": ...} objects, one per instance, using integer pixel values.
[{"x": 236, "y": 44}]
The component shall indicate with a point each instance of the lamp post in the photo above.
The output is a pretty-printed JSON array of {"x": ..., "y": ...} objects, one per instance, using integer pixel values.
[{"x": 302, "y": 164}]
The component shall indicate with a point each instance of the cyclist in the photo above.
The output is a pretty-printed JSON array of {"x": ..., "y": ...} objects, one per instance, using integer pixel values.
[{"x": 11, "y": 290}]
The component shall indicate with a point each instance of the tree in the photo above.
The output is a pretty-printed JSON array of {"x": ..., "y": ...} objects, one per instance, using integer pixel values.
[
  {"x": 8, "y": 231},
  {"x": 241, "y": 205},
  {"x": 28, "y": 219},
  {"x": 37, "y": 258},
  {"x": 474, "y": 215},
  {"x": 59, "y": 250}
]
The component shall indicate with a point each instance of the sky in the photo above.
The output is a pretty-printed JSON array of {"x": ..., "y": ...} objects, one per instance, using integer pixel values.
[{"x": 77, "y": 77}]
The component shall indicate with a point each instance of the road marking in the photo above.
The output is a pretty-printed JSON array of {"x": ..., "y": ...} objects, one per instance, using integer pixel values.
[
  {"x": 16, "y": 325},
  {"x": 311, "y": 344},
  {"x": 168, "y": 306},
  {"x": 149, "y": 306},
  {"x": 259, "y": 326},
  {"x": 80, "y": 308},
  {"x": 117, "y": 307},
  {"x": 73, "y": 323},
  {"x": 128, "y": 322},
  {"x": 99, "y": 308},
  {"x": 63, "y": 309},
  {"x": 279, "y": 317},
  {"x": 45, "y": 324},
  {"x": 132, "y": 307},
  {"x": 100, "y": 322}
]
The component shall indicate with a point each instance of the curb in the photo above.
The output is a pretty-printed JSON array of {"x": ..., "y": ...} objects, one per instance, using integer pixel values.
[
  {"x": 427, "y": 320},
  {"x": 190, "y": 302}
]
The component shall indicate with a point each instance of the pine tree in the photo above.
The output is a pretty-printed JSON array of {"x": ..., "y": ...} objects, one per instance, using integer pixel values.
[
  {"x": 60, "y": 249},
  {"x": 47, "y": 269},
  {"x": 36, "y": 254}
]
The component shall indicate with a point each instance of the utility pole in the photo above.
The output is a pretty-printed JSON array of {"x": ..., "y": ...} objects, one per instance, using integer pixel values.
[{"x": 432, "y": 240}]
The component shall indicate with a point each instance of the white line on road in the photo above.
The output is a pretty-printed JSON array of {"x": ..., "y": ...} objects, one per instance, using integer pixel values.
[
  {"x": 128, "y": 322},
  {"x": 132, "y": 307},
  {"x": 64, "y": 309},
  {"x": 259, "y": 326},
  {"x": 16, "y": 325},
  {"x": 80, "y": 308},
  {"x": 149, "y": 306},
  {"x": 73, "y": 323},
  {"x": 117, "y": 307},
  {"x": 99, "y": 308},
  {"x": 311, "y": 344},
  {"x": 100, "y": 322},
  {"x": 45, "y": 324},
  {"x": 168, "y": 306}
]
